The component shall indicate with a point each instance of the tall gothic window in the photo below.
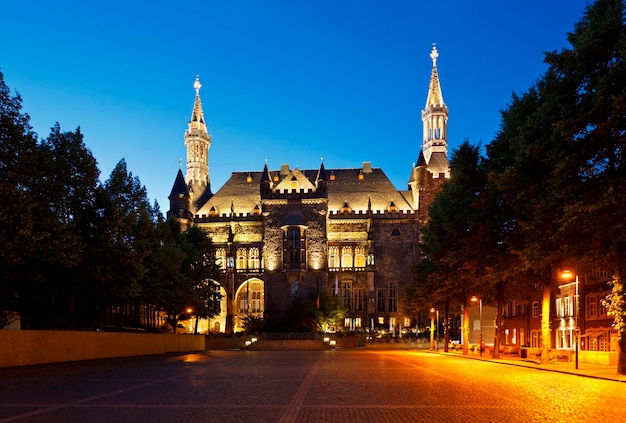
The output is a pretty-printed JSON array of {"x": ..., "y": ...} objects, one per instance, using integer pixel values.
[
  {"x": 294, "y": 245},
  {"x": 358, "y": 306},
  {"x": 346, "y": 294},
  {"x": 254, "y": 263},
  {"x": 380, "y": 300},
  {"x": 359, "y": 257},
  {"x": 346, "y": 257},
  {"x": 393, "y": 297},
  {"x": 220, "y": 258},
  {"x": 242, "y": 259},
  {"x": 333, "y": 258}
]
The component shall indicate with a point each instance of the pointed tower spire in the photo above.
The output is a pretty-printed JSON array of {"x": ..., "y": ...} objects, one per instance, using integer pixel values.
[
  {"x": 435, "y": 121},
  {"x": 198, "y": 142}
]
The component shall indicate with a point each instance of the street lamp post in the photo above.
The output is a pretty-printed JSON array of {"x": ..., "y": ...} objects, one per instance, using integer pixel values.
[
  {"x": 480, "y": 319},
  {"x": 432, "y": 329}
]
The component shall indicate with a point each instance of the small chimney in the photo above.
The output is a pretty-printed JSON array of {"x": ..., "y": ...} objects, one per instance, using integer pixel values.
[{"x": 367, "y": 167}]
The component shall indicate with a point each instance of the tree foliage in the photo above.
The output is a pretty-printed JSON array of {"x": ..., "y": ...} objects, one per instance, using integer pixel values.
[
  {"x": 554, "y": 179},
  {"x": 77, "y": 251}
]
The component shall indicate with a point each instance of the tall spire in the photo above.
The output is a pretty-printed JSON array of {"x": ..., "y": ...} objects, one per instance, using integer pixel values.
[
  {"x": 198, "y": 142},
  {"x": 435, "y": 121},
  {"x": 435, "y": 98}
]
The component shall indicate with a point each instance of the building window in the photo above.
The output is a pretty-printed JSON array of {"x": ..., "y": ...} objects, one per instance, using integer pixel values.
[
  {"x": 535, "y": 309},
  {"x": 220, "y": 258},
  {"x": 357, "y": 322},
  {"x": 559, "y": 307},
  {"x": 333, "y": 258},
  {"x": 380, "y": 300},
  {"x": 601, "y": 308},
  {"x": 346, "y": 257},
  {"x": 257, "y": 297},
  {"x": 294, "y": 246},
  {"x": 592, "y": 306},
  {"x": 358, "y": 306},
  {"x": 242, "y": 259},
  {"x": 254, "y": 263},
  {"x": 569, "y": 308},
  {"x": 359, "y": 257},
  {"x": 250, "y": 297},
  {"x": 564, "y": 338},
  {"x": 535, "y": 337},
  {"x": 346, "y": 294},
  {"x": 393, "y": 299}
]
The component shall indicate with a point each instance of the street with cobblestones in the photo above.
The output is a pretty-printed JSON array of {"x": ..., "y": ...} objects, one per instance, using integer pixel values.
[{"x": 303, "y": 386}]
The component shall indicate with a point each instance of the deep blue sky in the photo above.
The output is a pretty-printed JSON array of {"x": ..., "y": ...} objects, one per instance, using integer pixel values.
[{"x": 290, "y": 81}]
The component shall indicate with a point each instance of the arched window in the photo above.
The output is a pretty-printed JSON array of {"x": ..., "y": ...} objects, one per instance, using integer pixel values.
[
  {"x": 250, "y": 297},
  {"x": 333, "y": 258},
  {"x": 346, "y": 257},
  {"x": 359, "y": 257},
  {"x": 242, "y": 259},
  {"x": 254, "y": 263},
  {"x": 220, "y": 258}
]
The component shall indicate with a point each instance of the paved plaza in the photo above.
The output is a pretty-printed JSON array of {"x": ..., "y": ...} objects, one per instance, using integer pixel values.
[{"x": 351, "y": 385}]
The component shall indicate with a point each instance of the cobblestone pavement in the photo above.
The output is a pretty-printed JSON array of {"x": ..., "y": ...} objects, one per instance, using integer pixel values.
[{"x": 304, "y": 386}]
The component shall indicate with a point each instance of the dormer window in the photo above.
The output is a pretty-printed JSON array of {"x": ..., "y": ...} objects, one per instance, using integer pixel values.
[
  {"x": 345, "y": 208},
  {"x": 257, "y": 210},
  {"x": 212, "y": 212},
  {"x": 294, "y": 184},
  {"x": 249, "y": 178},
  {"x": 332, "y": 176},
  {"x": 392, "y": 207}
]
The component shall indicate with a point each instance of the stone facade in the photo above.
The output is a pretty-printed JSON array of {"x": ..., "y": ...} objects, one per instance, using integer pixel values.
[{"x": 288, "y": 233}]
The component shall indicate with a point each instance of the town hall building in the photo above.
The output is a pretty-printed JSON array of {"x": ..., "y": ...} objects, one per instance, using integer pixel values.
[{"x": 288, "y": 233}]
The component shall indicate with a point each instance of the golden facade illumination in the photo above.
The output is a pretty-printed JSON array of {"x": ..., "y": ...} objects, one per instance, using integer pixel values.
[{"x": 282, "y": 234}]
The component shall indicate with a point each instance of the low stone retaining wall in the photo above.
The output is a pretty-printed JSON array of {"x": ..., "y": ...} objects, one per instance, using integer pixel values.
[
  {"x": 287, "y": 344},
  {"x": 27, "y": 347}
]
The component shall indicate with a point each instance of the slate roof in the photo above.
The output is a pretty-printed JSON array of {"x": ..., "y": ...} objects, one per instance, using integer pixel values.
[{"x": 241, "y": 193}]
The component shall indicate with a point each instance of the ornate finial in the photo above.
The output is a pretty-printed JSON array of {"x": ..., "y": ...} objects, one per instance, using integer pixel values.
[
  {"x": 180, "y": 162},
  {"x": 434, "y": 54},
  {"x": 322, "y": 159},
  {"x": 197, "y": 85},
  {"x": 266, "y": 160}
]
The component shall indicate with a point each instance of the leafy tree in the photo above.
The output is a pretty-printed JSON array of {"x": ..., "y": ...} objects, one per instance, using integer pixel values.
[
  {"x": 68, "y": 185},
  {"x": 123, "y": 240},
  {"x": 201, "y": 271},
  {"x": 592, "y": 74},
  {"x": 18, "y": 178},
  {"x": 557, "y": 160},
  {"x": 452, "y": 268},
  {"x": 330, "y": 313}
]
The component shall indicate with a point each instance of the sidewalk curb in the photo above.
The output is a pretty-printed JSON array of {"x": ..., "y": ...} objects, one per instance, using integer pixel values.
[{"x": 529, "y": 364}]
